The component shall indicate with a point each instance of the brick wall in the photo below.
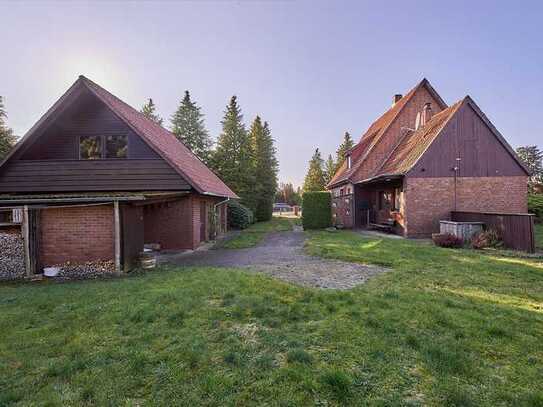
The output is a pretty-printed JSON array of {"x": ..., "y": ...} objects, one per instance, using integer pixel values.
[
  {"x": 169, "y": 224},
  {"x": 76, "y": 234},
  {"x": 429, "y": 200}
]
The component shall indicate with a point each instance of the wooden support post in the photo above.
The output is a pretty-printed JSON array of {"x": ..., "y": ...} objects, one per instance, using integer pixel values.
[
  {"x": 117, "y": 237},
  {"x": 26, "y": 241}
]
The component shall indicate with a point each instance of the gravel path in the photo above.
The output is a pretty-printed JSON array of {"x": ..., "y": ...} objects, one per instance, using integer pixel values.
[{"x": 281, "y": 255}]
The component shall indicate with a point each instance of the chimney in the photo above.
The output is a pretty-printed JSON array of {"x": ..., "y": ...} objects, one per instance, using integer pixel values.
[
  {"x": 426, "y": 114},
  {"x": 396, "y": 98}
]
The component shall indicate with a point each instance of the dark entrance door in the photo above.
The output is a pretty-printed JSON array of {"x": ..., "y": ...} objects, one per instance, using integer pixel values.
[{"x": 203, "y": 219}]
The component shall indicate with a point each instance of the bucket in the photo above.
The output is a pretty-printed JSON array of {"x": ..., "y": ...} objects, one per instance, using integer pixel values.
[{"x": 51, "y": 271}]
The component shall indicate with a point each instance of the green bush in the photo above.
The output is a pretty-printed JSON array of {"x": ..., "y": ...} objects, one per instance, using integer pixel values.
[
  {"x": 239, "y": 216},
  {"x": 535, "y": 206},
  {"x": 316, "y": 210}
]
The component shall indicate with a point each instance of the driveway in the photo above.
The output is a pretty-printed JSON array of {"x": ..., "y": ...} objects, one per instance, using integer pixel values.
[{"x": 281, "y": 255}]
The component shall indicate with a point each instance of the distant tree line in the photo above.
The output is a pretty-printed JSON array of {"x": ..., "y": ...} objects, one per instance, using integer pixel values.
[
  {"x": 244, "y": 159},
  {"x": 321, "y": 172},
  {"x": 7, "y": 138}
]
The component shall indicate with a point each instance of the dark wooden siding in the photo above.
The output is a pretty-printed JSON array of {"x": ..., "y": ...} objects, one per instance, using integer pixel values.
[
  {"x": 86, "y": 117},
  {"x": 51, "y": 162},
  {"x": 466, "y": 137},
  {"x": 516, "y": 229},
  {"x": 90, "y": 175}
]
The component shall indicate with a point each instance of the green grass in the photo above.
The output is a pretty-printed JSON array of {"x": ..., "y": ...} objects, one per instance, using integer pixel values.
[
  {"x": 539, "y": 236},
  {"x": 445, "y": 327},
  {"x": 254, "y": 234}
]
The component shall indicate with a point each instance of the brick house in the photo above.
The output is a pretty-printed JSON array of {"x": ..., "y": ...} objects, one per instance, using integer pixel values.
[
  {"x": 97, "y": 180},
  {"x": 423, "y": 159}
]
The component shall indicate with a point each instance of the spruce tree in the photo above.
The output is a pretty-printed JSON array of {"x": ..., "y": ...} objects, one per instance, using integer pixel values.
[
  {"x": 7, "y": 138},
  {"x": 232, "y": 159},
  {"x": 314, "y": 179},
  {"x": 347, "y": 144},
  {"x": 265, "y": 168},
  {"x": 188, "y": 126},
  {"x": 329, "y": 169},
  {"x": 533, "y": 159},
  {"x": 149, "y": 111}
]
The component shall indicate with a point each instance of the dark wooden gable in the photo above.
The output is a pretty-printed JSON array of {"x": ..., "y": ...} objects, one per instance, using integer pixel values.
[
  {"x": 468, "y": 137},
  {"x": 49, "y": 160}
]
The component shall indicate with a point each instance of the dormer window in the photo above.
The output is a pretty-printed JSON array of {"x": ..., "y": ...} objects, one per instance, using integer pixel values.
[
  {"x": 349, "y": 162},
  {"x": 103, "y": 147}
]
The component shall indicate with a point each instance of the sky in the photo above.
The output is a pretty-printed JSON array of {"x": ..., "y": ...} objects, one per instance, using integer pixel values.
[{"x": 312, "y": 69}]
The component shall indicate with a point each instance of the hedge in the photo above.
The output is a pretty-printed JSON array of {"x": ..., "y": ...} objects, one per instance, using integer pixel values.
[
  {"x": 316, "y": 210},
  {"x": 239, "y": 216},
  {"x": 535, "y": 205}
]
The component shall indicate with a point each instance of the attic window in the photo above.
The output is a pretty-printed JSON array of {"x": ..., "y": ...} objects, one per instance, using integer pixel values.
[
  {"x": 116, "y": 146},
  {"x": 349, "y": 162},
  {"x": 92, "y": 147}
]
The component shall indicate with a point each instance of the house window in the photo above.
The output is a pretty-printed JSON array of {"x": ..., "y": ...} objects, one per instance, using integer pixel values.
[
  {"x": 116, "y": 146},
  {"x": 90, "y": 147},
  {"x": 397, "y": 196},
  {"x": 98, "y": 147},
  {"x": 341, "y": 191},
  {"x": 385, "y": 200},
  {"x": 348, "y": 191}
]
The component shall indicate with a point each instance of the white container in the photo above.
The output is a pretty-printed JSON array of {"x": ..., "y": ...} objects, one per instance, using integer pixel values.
[{"x": 51, "y": 271}]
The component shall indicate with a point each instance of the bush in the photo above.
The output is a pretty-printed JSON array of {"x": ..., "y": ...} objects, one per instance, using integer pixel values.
[
  {"x": 239, "y": 216},
  {"x": 447, "y": 240},
  {"x": 486, "y": 238},
  {"x": 535, "y": 206},
  {"x": 316, "y": 210}
]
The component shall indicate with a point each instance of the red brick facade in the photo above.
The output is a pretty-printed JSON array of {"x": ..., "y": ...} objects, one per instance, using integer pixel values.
[
  {"x": 177, "y": 225},
  {"x": 77, "y": 234},
  {"x": 429, "y": 200}
]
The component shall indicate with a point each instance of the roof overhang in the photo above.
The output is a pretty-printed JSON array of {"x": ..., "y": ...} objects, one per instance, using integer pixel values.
[
  {"x": 59, "y": 199},
  {"x": 381, "y": 178}
]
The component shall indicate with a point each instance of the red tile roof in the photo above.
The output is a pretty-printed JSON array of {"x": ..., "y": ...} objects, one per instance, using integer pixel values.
[
  {"x": 165, "y": 144},
  {"x": 408, "y": 151},
  {"x": 374, "y": 134}
]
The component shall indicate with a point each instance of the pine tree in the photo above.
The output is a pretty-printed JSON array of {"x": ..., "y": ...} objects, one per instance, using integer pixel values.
[
  {"x": 314, "y": 179},
  {"x": 232, "y": 159},
  {"x": 347, "y": 144},
  {"x": 7, "y": 138},
  {"x": 149, "y": 111},
  {"x": 329, "y": 169},
  {"x": 265, "y": 168},
  {"x": 188, "y": 126},
  {"x": 533, "y": 159}
]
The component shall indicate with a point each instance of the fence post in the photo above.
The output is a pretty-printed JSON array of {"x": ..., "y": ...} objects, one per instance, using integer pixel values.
[{"x": 26, "y": 241}]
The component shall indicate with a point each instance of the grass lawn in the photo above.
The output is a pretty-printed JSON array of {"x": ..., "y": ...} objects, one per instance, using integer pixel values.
[
  {"x": 255, "y": 233},
  {"x": 445, "y": 327},
  {"x": 539, "y": 236}
]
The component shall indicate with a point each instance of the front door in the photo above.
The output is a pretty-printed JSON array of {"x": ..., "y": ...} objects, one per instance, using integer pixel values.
[
  {"x": 384, "y": 205},
  {"x": 203, "y": 219}
]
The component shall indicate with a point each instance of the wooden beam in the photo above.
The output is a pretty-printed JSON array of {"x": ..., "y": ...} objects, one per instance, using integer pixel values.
[
  {"x": 26, "y": 241},
  {"x": 117, "y": 237}
]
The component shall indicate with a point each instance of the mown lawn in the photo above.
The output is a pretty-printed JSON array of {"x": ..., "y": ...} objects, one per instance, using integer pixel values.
[
  {"x": 445, "y": 327},
  {"x": 539, "y": 236},
  {"x": 255, "y": 233}
]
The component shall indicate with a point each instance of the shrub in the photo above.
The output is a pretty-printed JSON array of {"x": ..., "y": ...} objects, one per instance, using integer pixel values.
[
  {"x": 486, "y": 238},
  {"x": 535, "y": 206},
  {"x": 239, "y": 216},
  {"x": 316, "y": 210},
  {"x": 447, "y": 240}
]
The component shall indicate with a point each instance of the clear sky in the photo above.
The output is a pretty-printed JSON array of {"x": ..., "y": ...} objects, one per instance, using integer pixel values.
[{"x": 312, "y": 69}]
